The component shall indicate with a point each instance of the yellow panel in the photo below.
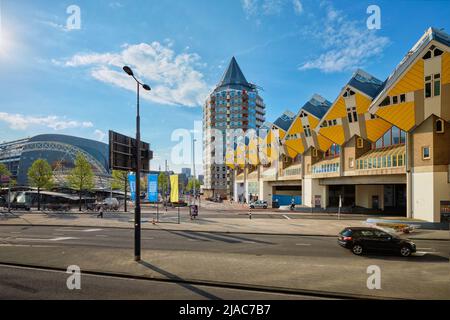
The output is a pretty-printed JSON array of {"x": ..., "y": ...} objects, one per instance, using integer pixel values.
[
  {"x": 338, "y": 110},
  {"x": 324, "y": 143},
  {"x": 334, "y": 133},
  {"x": 401, "y": 115},
  {"x": 253, "y": 151},
  {"x": 294, "y": 147},
  {"x": 296, "y": 126},
  {"x": 313, "y": 122},
  {"x": 376, "y": 128},
  {"x": 362, "y": 103},
  {"x": 446, "y": 67},
  {"x": 411, "y": 81},
  {"x": 230, "y": 159}
]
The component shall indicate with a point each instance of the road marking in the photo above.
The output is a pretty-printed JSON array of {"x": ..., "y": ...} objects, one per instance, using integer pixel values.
[
  {"x": 148, "y": 238},
  {"x": 422, "y": 253},
  {"x": 43, "y": 239},
  {"x": 78, "y": 230},
  {"x": 24, "y": 245},
  {"x": 286, "y": 217},
  {"x": 16, "y": 232},
  {"x": 101, "y": 235},
  {"x": 303, "y": 244},
  {"x": 92, "y": 230}
]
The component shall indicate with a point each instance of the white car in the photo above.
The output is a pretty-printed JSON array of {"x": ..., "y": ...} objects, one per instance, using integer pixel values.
[
  {"x": 111, "y": 204},
  {"x": 258, "y": 204}
]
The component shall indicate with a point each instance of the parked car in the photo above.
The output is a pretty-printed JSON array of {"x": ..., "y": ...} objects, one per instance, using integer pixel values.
[
  {"x": 258, "y": 204},
  {"x": 111, "y": 204},
  {"x": 362, "y": 240},
  {"x": 3, "y": 202},
  {"x": 20, "y": 206}
]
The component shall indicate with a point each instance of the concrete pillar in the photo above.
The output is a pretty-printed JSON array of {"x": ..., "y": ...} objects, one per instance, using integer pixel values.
[{"x": 409, "y": 177}]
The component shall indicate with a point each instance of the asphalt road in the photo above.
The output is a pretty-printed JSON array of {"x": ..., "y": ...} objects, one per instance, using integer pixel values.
[
  {"x": 32, "y": 283},
  {"x": 254, "y": 244},
  {"x": 313, "y": 253}
]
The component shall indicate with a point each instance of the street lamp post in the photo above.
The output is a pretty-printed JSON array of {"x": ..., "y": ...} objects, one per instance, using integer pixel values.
[
  {"x": 193, "y": 166},
  {"x": 137, "y": 209}
]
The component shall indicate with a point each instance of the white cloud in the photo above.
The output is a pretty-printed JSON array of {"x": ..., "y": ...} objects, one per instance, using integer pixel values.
[
  {"x": 298, "y": 7},
  {"x": 348, "y": 45},
  {"x": 269, "y": 7},
  {"x": 99, "y": 135},
  {"x": 116, "y": 5},
  {"x": 174, "y": 78},
  {"x": 23, "y": 122}
]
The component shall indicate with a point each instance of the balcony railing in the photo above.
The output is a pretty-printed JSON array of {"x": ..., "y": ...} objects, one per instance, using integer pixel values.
[
  {"x": 289, "y": 172},
  {"x": 326, "y": 167},
  {"x": 391, "y": 157}
]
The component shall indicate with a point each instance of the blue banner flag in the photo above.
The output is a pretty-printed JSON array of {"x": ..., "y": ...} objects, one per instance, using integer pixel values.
[
  {"x": 152, "y": 187},
  {"x": 132, "y": 183}
]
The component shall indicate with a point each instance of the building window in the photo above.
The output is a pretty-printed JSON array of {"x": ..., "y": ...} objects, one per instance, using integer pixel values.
[
  {"x": 426, "y": 153},
  {"x": 386, "y": 102},
  {"x": 437, "y": 84},
  {"x": 402, "y": 98},
  {"x": 394, "y": 100},
  {"x": 439, "y": 126},
  {"x": 359, "y": 143},
  {"x": 427, "y": 86},
  {"x": 352, "y": 114},
  {"x": 307, "y": 130},
  {"x": 314, "y": 153}
]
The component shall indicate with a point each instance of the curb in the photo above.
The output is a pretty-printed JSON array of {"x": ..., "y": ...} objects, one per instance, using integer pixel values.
[
  {"x": 217, "y": 284},
  {"x": 198, "y": 231}
]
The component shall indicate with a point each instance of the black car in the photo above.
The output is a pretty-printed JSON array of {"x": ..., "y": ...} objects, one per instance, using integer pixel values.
[{"x": 361, "y": 240}]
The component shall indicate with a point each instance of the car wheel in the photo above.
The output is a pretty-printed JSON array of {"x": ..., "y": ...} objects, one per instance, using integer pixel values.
[
  {"x": 357, "y": 249},
  {"x": 252, "y": 207},
  {"x": 405, "y": 251}
]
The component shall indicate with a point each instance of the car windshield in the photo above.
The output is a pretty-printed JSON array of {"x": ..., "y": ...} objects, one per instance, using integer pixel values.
[{"x": 346, "y": 232}]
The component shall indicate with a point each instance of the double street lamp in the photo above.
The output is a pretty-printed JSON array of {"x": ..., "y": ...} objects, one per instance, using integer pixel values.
[{"x": 137, "y": 209}]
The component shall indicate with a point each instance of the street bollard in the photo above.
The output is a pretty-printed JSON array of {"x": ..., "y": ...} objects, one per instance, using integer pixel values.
[{"x": 250, "y": 215}]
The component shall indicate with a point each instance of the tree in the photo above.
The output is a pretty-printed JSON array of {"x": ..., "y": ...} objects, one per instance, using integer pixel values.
[
  {"x": 4, "y": 174},
  {"x": 81, "y": 177},
  {"x": 190, "y": 185},
  {"x": 120, "y": 182},
  {"x": 40, "y": 176},
  {"x": 163, "y": 184}
]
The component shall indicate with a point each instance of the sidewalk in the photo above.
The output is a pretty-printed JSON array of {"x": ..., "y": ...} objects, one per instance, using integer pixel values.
[{"x": 241, "y": 224}]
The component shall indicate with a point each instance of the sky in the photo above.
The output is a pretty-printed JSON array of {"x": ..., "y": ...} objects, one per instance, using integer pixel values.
[{"x": 61, "y": 61}]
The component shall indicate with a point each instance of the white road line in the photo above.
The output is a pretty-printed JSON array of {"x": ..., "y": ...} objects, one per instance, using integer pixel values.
[
  {"x": 77, "y": 230},
  {"x": 101, "y": 235},
  {"x": 24, "y": 245},
  {"x": 16, "y": 232},
  {"x": 148, "y": 238},
  {"x": 92, "y": 230},
  {"x": 44, "y": 239},
  {"x": 286, "y": 217},
  {"x": 303, "y": 244},
  {"x": 423, "y": 253}
]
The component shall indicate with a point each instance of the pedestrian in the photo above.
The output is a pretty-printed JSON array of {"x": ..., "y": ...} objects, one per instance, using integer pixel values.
[
  {"x": 100, "y": 214},
  {"x": 292, "y": 204}
]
